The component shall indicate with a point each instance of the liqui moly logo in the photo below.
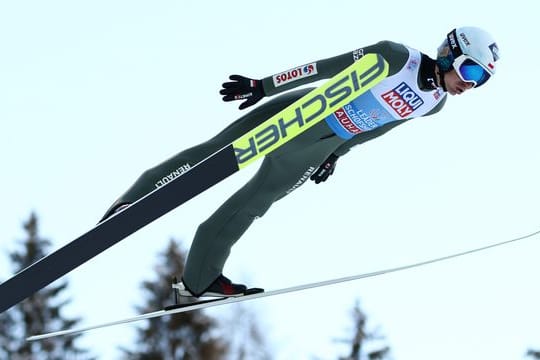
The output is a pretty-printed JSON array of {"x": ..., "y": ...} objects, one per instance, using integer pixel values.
[{"x": 403, "y": 100}]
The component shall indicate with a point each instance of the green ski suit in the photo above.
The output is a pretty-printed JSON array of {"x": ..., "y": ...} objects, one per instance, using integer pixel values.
[{"x": 281, "y": 172}]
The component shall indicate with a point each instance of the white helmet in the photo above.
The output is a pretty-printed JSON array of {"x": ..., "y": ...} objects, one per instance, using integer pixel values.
[{"x": 471, "y": 51}]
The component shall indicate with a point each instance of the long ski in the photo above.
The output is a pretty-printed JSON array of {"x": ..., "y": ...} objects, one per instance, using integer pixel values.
[
  {"x": 202, "y": 304},
  {"x": 274, "y": 132},
  {"x": 174, "y": 309}
]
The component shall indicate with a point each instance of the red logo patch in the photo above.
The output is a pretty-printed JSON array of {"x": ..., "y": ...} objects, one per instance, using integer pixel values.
[{"x": 346, "y": 122}]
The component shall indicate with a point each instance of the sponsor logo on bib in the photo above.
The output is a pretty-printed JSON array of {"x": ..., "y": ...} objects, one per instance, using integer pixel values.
[{"x": 403, "y": 100}]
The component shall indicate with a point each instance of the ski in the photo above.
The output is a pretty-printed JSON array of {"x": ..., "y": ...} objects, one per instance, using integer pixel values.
[
  {"x": 202, "y": 304},
  {"x": 255, "y": 293},
  {"x": 274, "y": 132}
]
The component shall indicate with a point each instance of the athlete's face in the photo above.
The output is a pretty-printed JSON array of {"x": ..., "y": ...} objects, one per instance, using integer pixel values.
[{"x": 454, "y": 84}]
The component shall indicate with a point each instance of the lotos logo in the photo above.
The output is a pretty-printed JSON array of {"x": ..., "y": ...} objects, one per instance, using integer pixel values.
[
  {"x": 308, "y": 69},
  {"x": 403, "y": 100},
  {"x": 295, "y": 74}
]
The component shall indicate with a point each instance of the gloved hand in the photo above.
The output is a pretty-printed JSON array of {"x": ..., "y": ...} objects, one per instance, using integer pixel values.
[
  {"x": 242, "y": 88},
  {"x": 325, "y": 169}
]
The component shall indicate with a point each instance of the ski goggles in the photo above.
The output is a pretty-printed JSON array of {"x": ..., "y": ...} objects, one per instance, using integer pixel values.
[{"x": 469, "y": 70}]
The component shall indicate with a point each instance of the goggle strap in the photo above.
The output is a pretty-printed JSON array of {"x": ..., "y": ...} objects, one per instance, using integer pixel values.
[{"x": 454, "y": 44}]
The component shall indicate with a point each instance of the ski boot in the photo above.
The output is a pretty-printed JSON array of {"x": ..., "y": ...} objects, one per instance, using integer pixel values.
[{"x": 221, "y": 287}]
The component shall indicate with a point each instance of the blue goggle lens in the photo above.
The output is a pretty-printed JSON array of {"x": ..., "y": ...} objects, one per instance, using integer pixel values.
[{"x": 471, "y": 71}]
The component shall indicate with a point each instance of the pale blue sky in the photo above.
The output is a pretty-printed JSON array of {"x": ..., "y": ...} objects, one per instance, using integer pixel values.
[{"x": 94, "y": 93}]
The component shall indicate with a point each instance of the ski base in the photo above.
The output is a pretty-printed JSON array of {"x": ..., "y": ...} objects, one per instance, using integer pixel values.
[{"x": 197, "y": 302}]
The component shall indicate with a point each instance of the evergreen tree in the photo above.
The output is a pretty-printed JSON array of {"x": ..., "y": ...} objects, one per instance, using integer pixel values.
[
  {"x": 7, "y": 335},
  {"x": 362, "y": 342},
  {"x": 40, "y": 313},
  {"x": 246, "y": 340},
  {"x": 533, "y": 354},
  {"x": 189, "y": 336}
]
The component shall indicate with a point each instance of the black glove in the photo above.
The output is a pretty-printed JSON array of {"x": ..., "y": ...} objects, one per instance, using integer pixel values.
[
  {"x": 242, "y": 88},
  {"x": 325, "y": 169}
]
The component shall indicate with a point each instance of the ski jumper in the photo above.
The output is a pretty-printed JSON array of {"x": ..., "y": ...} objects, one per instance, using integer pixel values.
[{"x": 406, "y": 93}]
